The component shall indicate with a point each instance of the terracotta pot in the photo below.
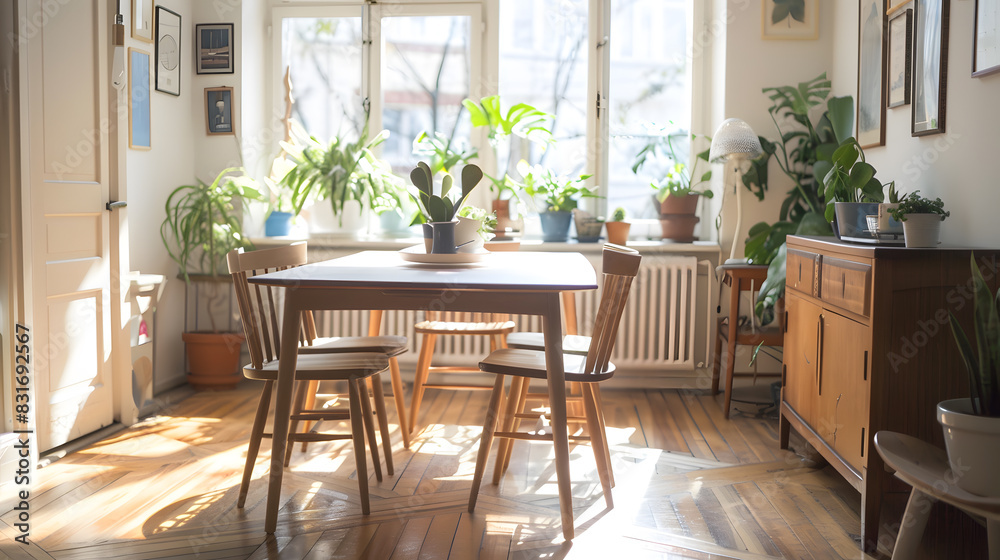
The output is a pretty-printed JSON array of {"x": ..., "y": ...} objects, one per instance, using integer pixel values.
[
  {"x": 677, "y": 204},
  {"x": 678, "y": 227},
  {"x": 507, "y": 227},
  {"x": 213, "y": 359},
  {"x": 617, "y": 232}
]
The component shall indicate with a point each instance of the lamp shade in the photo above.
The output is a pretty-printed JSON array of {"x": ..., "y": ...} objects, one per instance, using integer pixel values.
[{"x": 734, "y": 137}]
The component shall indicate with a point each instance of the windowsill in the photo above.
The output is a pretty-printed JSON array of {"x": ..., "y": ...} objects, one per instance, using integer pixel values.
[{"x": 377, "y": 243}]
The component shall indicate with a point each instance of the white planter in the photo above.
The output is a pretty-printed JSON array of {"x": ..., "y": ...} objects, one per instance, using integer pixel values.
[
  {"x": 353, "y": 218},
  {"x": 467, "y": 231},
  {"x": 973, "y": 445},
  {"x": 922, "y": 230}
]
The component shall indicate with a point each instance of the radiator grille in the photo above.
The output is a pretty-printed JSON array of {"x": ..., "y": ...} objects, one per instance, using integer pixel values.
[{"x": 657, "y": 330}]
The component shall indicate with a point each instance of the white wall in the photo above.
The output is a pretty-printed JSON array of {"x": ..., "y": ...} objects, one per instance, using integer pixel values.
[
  {"x": 181, "y": 152},
  {"x": 955, "y": 165},
  {"x": 751, "y": 64}
]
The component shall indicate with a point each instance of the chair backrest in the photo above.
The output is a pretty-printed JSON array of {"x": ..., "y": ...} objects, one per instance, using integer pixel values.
[
  {"x": 621, "y": 264},
  {"x": 258, "y": 304}
]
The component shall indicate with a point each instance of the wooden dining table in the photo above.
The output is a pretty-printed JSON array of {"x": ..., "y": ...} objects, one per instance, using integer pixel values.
[{"x": 527, "y": 283}]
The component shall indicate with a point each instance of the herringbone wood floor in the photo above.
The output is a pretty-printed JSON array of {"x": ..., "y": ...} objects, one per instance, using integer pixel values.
[{"x": 689, "y": 485}]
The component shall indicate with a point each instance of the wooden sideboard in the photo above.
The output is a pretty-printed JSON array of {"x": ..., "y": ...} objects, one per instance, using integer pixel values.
[{"x": 868, "y": 347}]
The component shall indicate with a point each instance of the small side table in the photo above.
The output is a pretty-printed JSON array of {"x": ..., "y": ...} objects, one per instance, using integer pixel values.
[
  {"x": 740, "y": 278},
  {"x": 925, "y": 468}
]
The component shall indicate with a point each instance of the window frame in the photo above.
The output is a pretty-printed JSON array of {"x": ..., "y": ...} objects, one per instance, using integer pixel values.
[{"x": 484, "y": 76}]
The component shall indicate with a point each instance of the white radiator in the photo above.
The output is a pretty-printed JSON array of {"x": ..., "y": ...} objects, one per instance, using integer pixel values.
[{"x": 657, "y": 329}]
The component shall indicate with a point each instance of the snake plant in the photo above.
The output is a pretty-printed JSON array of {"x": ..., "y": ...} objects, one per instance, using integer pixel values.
[{"x": 983, "y": 364}]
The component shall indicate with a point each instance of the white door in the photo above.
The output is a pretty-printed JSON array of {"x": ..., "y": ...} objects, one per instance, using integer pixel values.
[{"x": 67, "y": 228}]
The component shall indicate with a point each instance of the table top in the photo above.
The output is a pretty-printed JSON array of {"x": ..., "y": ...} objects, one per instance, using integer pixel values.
[{"x": 518, "y": 271}]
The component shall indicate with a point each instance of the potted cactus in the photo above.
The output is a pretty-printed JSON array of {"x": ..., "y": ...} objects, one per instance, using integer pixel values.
[{"x": 617, "y": 227}]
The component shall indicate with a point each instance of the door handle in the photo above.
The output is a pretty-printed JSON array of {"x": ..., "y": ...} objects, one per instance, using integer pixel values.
[
  {"x": 819, "y": 356},
  {"x": 115, "y": 204}
]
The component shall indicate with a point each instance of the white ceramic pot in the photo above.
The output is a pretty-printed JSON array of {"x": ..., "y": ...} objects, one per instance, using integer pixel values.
[
  {"x": 467, "y": 236},
  {"x": 922, "y": 230},
  {"x": 973, "y": 445},
  {"x": 351, "y": 221}
]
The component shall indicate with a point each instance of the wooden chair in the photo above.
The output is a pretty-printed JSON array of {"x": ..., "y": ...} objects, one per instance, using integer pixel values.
[
  {"x": 620, "y": 267},
  {"x": 520, "y": 395},
  {"x": 260, "y": 320},
  {"x": 451, "y": 323}
]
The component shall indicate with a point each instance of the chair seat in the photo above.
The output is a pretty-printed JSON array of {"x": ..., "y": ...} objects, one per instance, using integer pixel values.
[
  {"x": 325, "y": 367},
  {"x": 531, "y": 363},
  {"x": 388, "y": 345},
  {"x": 458, "y": 327},
  {"x": 572, "y": 344}
]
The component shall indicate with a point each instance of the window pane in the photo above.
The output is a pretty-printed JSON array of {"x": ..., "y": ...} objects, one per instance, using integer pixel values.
[
  {"x": 425, "y": 77},
  {"x": 649, "y": 94},
  {"x": 324, "y": 55},
  {"x": 543, "y": 62}
]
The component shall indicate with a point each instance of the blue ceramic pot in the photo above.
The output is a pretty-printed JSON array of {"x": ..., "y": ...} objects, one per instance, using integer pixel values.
[
  {"x": 278, "y": 224},
  {"x": 555, "y": 226}
]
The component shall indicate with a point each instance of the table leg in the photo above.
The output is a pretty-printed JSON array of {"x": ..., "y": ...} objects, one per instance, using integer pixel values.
[
  {"x": 552, "y": 328},
  {"x": 282, "y": 406},
  {"x": 918, "y": 509}
]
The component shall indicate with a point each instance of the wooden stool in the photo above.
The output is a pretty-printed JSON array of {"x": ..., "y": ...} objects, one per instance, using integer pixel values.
[
  {"x": 740, "y": 278},
  {"x": 926, "y": 469}
]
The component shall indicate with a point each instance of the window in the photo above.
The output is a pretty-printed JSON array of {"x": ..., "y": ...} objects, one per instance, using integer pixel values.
[{"x": 412, "y": 63}]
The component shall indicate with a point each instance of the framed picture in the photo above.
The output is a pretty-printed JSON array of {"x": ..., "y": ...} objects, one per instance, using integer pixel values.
[
  {"x": 142, "y": 20},
  {"x": 168, "y": 51},
  {"x": 789, "y": 19},
  {"x": 930, "y": 66},
  {"x": 871, "y": 73},
  {"x": 985, "y": 46},
  {"x": 213, "y": 43},
  {"x": 900, "y": 41},
  {"x": 219, "y": 110},
  {"x": 138, "y": 100}
]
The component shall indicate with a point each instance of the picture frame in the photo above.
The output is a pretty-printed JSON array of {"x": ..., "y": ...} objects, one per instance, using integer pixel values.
[
  {"x": 900, "y": 55},
  {"x": 930, "y": 66},
  {"x": 219, "y": 111},
  {"x": 871, "y": 73},
  {"x": 142, "y": 20},
  {"x": 789, "y": 19},
  {"x": 168, "y": 51},
  {"x": 213, "y": 48},
  {"x": 139, "y": 130},
  {"x": 985, "y": 46}
]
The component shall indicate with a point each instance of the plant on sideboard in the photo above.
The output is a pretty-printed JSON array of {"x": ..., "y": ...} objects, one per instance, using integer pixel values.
[
  {"x": 203, "y": 224},
  {"x": 921, "y": 218}
]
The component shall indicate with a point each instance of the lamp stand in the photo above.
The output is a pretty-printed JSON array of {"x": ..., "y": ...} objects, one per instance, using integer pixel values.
[{"x": 739, "y": 217}]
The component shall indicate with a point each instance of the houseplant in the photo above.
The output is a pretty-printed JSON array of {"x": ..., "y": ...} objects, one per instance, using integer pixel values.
[
  {"x": 557, "y": 196},
  {"x": 346, "y": 174},
  {"x": 439, "y": 210},
  {"x": 201, "y": 226},
  {"x": 972, "y": 426},
  {"x": 850, "y": 188},
  {"x": 803, "y": 141},
  {"x": 617, "y": 227},
  {"x": 921, "y": 218},
  {"x": 475, "y": 225},
  {"x": 676, "y": 198},
  {"x": 520, "y": 121}
]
